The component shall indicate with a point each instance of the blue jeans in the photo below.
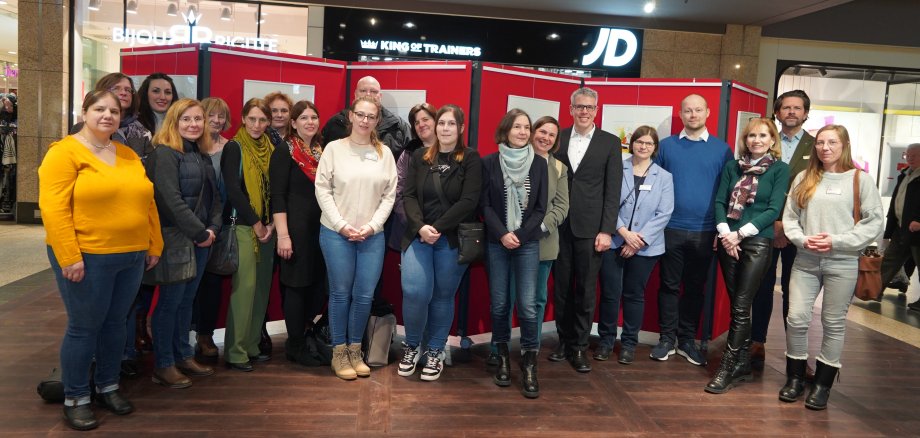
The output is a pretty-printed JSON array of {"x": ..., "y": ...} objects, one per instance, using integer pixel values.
[
  {"x": 353, "y": 269},
  {"x": 626, "y": 277},
  {"x": 546, "y": 266},
  {"x": 96, "y": 310},
  {"x": 524, "y": 262},
  {"x": 172, "y": 317},
  {"x": 430, "y": 277}
]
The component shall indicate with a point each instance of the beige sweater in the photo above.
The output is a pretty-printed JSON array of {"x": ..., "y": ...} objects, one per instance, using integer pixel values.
[{"x": 355, "y": 186}]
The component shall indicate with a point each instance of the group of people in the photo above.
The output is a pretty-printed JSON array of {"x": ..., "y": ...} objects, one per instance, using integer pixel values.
[{"x": 157, "y": 171}]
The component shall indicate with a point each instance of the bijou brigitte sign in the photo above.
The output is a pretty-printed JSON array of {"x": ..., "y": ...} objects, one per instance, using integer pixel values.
[{"x": 189, "y": 33}]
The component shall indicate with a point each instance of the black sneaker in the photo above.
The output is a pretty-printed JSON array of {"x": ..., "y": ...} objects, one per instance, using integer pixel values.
[
  {"x": 689, "y": 351},
  {"x": 662, "y": 351},
  {"x": 627, "y": 356},
  {"x": 410, "y": 357},
  {"x": 433, "y": 365}
]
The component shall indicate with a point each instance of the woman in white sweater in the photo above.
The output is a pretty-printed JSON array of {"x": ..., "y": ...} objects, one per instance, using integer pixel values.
[
  {"x": 819, "y": 220},
  {"x": 355, "y": 188}
]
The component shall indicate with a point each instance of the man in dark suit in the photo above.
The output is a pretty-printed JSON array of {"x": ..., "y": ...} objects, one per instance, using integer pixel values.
[
  {"x": 595, "y": 161},
  {"x": 903, "y": 227},
  {"x": 790, "y": 109}
]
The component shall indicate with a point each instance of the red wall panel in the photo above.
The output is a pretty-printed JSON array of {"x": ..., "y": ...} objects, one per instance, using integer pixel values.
[{"x": 181, "y": 59}]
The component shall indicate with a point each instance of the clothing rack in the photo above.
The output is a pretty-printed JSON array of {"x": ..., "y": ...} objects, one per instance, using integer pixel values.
[{"x": 8, "y": 154}]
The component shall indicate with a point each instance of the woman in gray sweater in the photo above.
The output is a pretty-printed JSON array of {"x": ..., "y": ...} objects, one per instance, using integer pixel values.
[{"x": 819, "y": 220}]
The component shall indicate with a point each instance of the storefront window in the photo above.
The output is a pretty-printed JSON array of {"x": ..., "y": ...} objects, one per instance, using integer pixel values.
[{"x": 9, "y": 46}]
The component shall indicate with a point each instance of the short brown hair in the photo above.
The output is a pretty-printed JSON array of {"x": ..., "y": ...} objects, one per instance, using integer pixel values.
[
  {"x": 95, "y": 96},
  {"x": 270, "y": 98},
  {"x": 426, "y": 107},
  {"x": 255, "y": 102},
  {"x": 296, "y": 111},
  {"x": 507, "y": 122},
  {"x": 110, "y": 80},
  {"x": 642, "y": 131}
]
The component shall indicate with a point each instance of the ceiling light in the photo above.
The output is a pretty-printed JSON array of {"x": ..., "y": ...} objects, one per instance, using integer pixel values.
[
  {"x": 409, "y": 25},
  {"x": 341, "y": 37},
  {"x": 423, "y": 38},
  {"x": 94, "y": 5},
  {"x": 2, "y": 2},
  {"x": 823, "y": 71},
  {"x": 387, "y": 59},
  {"x": 373, "y": 21},
  {"x": 131, "y": 7},
  {"x": 172, "y": 10},
  {"x": 649, "y": 7},
  {"x": 553, "y": 36},
  {"x": 519, "y": 50},
  {"x": 737, "y": 66},
  {"x": 226, "y": 14},
  {"x": 342, "y": 25},
  {"x": 796, "y": 70},
  {"x": 11, "y": 52},
  {"x": 584, "y": 44}
]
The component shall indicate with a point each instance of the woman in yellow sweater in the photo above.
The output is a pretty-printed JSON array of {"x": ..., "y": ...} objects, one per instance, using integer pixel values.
[{"x": 102, "y": 231}]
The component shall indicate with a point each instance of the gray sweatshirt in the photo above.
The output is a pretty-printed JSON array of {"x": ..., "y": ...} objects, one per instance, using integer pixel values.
[{"x": 830, "y": 211}]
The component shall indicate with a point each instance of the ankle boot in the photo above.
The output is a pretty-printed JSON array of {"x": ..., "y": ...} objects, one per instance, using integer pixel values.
[
  {"x": 795, "y": 380},
  {"x": 529, "y": 385},
  {"x": 204, "y": 344},
  {"x": 293, "y": 347},
  {"x": 191, "y": 367},
  {"x": 824, "y": 379},
  {"x": 742, "y": 371},
  {"x": 357, "y": 360},
  {"x": 758, "y": 356},
  {"x": 80, "y": 417},
  {"x": 341, "y": 364},
  {"x": 724, "y": 378},
  {"x": 503, "y": 372},
  {"x": 170, "y": 377},
  {"x": 265, "y": 344}
]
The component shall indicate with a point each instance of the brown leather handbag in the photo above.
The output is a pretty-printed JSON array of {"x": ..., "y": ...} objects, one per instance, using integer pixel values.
[{"x": 869, "y": 278}]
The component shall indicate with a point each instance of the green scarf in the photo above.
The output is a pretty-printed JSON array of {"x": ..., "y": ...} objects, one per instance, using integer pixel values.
[
  {"x": 255, "y": 156},
  {"x": 515, "y": 165}
]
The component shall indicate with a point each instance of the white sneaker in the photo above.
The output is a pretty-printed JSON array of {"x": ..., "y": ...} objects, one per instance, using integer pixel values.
[
  {"x": 410, "y": 357},
  {"x": 433, "y": 365}
]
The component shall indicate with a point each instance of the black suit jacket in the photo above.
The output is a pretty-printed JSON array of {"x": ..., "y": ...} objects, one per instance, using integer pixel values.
[
  {"x": 911, "y": 211},
  {"x": 594, "y": 189},
  {"x": 493, "y": 200}
]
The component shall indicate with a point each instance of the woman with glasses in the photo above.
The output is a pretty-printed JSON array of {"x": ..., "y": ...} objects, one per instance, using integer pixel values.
[
  {"x": 355, "y": 188},
  {"x": 819, "y": 221},
  {"x": 245, "y": 171},
  {"x": 748, "y": 201}
]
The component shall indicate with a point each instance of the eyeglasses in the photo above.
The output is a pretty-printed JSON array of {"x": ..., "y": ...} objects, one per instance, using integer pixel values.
[
  {"x": 364, "y": 116},
  {"x": 831, "y": 143},
  {"x": 588, "y": 108},
  {"x": 644, "y": 143},
  {"x": 117, "y": 89}
]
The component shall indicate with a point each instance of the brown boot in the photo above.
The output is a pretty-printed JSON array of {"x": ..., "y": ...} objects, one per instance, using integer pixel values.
[
  {"x": 171, "y": 377},
  {"x": 758, "y": 356},
  {"x": 341, "y": 364},
  {"x": 204, "y": 345},
  {"x": 190, "y": 367},
  {"x": 357, "y": 360}
]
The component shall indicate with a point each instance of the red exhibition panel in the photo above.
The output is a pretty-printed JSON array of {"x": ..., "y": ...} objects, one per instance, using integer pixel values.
[
  {"x": 748, "y": 99},
  {"x": 181, "y": 59},
  {"x": 231, "y": 66}
]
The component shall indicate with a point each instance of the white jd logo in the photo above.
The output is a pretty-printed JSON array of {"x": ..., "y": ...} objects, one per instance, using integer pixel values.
[{"x": 607, "y": 43}]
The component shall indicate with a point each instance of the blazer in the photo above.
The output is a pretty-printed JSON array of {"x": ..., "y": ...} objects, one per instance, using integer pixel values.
[
  {"x": 493, "y": 200},
  {"x": 911, "y": 211},
  {"x": 462, "y": 188},
  {"x": 594, "y": 188},
  {"x": 801, "y": 155},
  {"x": 557, "y": 208},
  {"x": 653, "y": 208}
]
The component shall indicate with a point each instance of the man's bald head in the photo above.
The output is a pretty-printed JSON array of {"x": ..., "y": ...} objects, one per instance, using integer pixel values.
[{"x": 368, "y": 86}]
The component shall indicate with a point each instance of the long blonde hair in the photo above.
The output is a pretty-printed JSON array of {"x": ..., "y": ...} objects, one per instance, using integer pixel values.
[
  {"x": 803, "y": 192},
  {"x": 375, "y": 139}
]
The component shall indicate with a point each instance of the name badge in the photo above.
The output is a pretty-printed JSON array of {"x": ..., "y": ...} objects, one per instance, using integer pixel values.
[
  {"x": 833, "y": 191},
  {"x": 370, "y": 156},
  {"x": 645, "y": 187},
  {"x": 805, "y": 157}
]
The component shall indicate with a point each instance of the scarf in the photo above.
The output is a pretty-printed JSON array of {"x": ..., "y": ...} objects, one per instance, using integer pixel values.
[
  {"x": 307, "y": 160},
  {"x": 515, "y": 165},
  {"x": 745, "y": 189},
  {"x": 255, "y": 155}
]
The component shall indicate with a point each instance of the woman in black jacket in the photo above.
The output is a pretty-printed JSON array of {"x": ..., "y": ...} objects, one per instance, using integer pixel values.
[
  {"x": 514, "y": 193},
  {"x": 189, "y": 205},
  {"x": 442, "y": 190}
]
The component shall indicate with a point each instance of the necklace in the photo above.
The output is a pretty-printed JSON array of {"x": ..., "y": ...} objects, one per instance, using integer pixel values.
[
  {"x": 98, "y": 148},
  {"x": 358, "y": 144}
]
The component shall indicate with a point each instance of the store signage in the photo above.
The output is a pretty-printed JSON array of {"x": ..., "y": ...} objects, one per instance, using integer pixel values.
[
  {"x": 607, "y": 43},
  {"x": 403, "y": 47},
  {"x": 10, "y": 72},
  {"x": 191, "y": 33}
]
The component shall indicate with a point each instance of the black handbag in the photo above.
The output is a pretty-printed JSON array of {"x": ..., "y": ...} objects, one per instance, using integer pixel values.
[
  {"x": 177, "y": 262},
  {"x": 225, "y": 252},
  {"x": 471, "y": 236}
]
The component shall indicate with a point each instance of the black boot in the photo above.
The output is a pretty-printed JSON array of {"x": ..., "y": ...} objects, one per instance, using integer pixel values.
[
  {"x": 529, "y": 385},
  {"x": 724, "y": 378},
  {"x": 80, "y": 417},
  {"x": 293, "y": 348},
  {"x": 824, "y": 379},
  {"x": 742, "y": 371},
  {"x": 503, "y": 373},
  {"x": 265, "y": 344},
  {"x": 795, "y": 380}
]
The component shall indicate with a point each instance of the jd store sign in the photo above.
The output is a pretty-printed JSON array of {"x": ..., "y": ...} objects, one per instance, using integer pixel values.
[
  {"x": 608, "y": 43},
  {"x": 189, "y": 33}
]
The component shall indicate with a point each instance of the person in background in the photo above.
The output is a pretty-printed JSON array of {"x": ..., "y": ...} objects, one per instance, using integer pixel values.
[
  {"x": 210, "y": 288},
  {"x": 903, "y": 225},
  {"x": 244, "y": 166},
  {"x": 646, "y": 203},
  {"x": 8, "y": 109},
  {"x": 513, "y": 206},
  {"x": 156, "y": 94},
  {"x": 83, "y": 179},
  {"x": 434, "y": 209},
  {"x": 819, "y": 221},
  {"x": 186, "y": 195},
  {"x": 750, "y": 195},
  {"x": 392, "y": 130},
  {"x": 296, "y": 213},
  {"x": 355, "y": 188}
]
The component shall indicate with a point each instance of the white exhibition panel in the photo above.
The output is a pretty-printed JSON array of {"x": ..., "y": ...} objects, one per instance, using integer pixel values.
[
  {"x": 401, "y": 101},
  {"x": 622, "y": 120},
  {"x": 260, "y": 89},
  {"x": 535, "y": 108},
  {"x": 743, "y": 118}
]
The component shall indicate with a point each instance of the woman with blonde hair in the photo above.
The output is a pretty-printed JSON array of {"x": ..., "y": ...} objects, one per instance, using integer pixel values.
[
  {"x": 819, "y": 221},
  {"x": 190, "y": 216}
]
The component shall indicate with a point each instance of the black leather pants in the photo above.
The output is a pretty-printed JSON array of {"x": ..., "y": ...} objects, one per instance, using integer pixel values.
[{"x": 742, "y": 280}]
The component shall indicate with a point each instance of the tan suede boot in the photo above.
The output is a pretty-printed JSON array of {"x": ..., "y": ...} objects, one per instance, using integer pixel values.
[
  {"x": 357, "y": 360},
  {"x": 341, "y": 363}
]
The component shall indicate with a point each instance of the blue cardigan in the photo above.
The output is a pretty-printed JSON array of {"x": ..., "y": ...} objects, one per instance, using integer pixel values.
[{"x": 653, "y": 207}]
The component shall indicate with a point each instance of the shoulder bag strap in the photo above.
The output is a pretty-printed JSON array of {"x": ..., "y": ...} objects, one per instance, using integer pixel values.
[
  {"x": 233, "y": 212},
  {"x": 436, "y": 179},
  {"x": 857, "y": 215}
]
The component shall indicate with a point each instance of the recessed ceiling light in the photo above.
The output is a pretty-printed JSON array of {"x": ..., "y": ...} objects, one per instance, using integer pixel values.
[
  {"x": 584, "y": 44},
  {"x": 341, "y": 37},
  {"x": 553, "y": 36},
  {"x": 172, "y": 10},
  {"x": 375, "y": 58},
  {"x": 373, "y": 21},
  {"x": 131, "y": 7},
  {"x": 737, "y": 66},
  {"x": 94, "y": 5},
  {"x": 11, "y": 52},
  {"x": 423, "y": 38},
  {"x": 342, "y": 25},
  {"x": 649, "y": 7},
  {"x": 2, "y": 2},
  {"x": 519, "y": 50},
  {"x": 226, "y": 14},
  {"x": 409, "y": 25},
  {"x": 309, "y": 54},
  {"x": 387, "y": 59}
]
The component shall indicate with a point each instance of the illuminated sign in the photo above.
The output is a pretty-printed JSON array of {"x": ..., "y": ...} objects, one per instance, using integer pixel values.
[
  {"x": 607, "y": 43},
  {"x": 189, "y": 33},
  {"x": 405, "y": 47}
]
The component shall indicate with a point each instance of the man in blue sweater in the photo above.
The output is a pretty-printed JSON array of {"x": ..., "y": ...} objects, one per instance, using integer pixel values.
[{"x": 695, "y": 160}]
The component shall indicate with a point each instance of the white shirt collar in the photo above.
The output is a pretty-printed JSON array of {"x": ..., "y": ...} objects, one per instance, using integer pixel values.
[
  {"x": 704, "y": 136},
  {"x": 587, "y": 136}
]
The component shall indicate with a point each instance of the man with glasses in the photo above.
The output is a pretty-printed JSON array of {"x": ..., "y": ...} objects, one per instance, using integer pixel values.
[
  {"x": 596, "y": 172},
  {"x": 392, "y": 130},
  {"x": 790, "y": 109},
  {"x": 695, "y": 160},
  {"x": 903, "y": 226}
]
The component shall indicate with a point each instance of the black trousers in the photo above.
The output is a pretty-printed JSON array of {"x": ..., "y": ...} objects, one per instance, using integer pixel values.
[
  {"x": 898, "y": 252},
  {"x": 207, "y": 303},
  {"x": 575, "y": 292},
  {"x": 742, "y": 281},
  {"x": 301, "y": 305},
  {"x": 762, "y": 310},
  {"x": 687, "y": 258}
]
